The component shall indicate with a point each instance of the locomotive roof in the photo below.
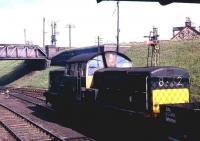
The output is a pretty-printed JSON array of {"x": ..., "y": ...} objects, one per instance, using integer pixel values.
[
  {"x": 60, "y": 58},
  {"x": 151, "y": 71},
  {"x": 88, "y": 56}
]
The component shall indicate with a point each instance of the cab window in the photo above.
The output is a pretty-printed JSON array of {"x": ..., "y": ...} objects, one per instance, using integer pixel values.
[
  {"x": 74, "y": 69},
  {"x": 81, "y": 69},
  {"x": 95, "y": 64},
  {"x": 123, "y": 63},
  {"x": 111, "y": 59},
  {"x": 67, "y": 69},
  {"x": 115, "y": 60}
]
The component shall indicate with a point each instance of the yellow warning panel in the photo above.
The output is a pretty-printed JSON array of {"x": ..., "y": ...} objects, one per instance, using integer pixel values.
[{"x": 169, "y": 96}]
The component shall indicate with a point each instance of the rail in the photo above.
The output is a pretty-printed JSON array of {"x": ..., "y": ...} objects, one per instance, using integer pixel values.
[{"x": 22, "y": 128}]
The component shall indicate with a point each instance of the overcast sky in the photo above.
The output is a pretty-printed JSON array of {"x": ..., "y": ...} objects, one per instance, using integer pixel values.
[{"x": 90, "y": 20}]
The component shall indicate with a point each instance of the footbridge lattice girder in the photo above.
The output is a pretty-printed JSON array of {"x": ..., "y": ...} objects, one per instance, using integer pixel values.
[{"x": 21, "y": 52}]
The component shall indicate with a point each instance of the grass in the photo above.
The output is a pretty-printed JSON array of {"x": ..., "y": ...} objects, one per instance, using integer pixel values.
[
  {"x": 17, "y": 73},
  {"x": 35, "y": 79}
]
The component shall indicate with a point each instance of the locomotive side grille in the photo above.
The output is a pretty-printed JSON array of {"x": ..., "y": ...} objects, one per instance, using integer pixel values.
[{"x": 169, "y": 96}]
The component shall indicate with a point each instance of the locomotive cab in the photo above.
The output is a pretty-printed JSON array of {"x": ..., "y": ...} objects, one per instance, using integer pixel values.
[{"x": 105, "y": 60}]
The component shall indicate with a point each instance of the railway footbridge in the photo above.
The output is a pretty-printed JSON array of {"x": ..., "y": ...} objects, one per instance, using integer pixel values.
[{"x": 39, "y": 58}]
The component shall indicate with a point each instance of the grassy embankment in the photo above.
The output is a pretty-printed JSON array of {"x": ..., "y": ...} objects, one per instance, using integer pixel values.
[
  {"x": 182, "y": 54},
  {"x": 16, "y": 73}
]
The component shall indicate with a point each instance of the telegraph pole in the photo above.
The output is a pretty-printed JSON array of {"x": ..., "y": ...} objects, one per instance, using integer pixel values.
[
  {"x": 44, "y": 32},
  {"x": 25, "y": 36},
  {"x": 53, "y": 33},
  {"x": 70, "y": 35},
  {"x": 99, "y": 41},
  {"x": 118, "y": 30},
  {"x": 70, "y": 26}
]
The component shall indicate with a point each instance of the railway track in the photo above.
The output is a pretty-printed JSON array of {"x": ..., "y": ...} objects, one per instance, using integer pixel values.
[
  {"x": 22, "y": 128},
  {"x": 32, "y": 98},
  {"x": 5, "y": 135},
  {"x": 36, "y": 93}
]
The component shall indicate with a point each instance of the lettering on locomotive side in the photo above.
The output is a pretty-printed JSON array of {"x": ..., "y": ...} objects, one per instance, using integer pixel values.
[
  {"x": 170, "y": 116},
  {"x": 173, "y": 82},
  {"x": 179, "y": 79},
  {"x": 177, "y": 82}
]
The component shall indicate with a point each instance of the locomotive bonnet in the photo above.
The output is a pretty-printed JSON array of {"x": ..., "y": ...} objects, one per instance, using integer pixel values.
[
  {"x": 108, "y": 79},
  {"x": 142, "y": 89}
]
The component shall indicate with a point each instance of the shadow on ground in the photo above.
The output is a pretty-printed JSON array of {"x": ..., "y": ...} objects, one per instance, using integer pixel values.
[
  {"x": 104, "y": 125},
  {"x": 20, "y": 71}
]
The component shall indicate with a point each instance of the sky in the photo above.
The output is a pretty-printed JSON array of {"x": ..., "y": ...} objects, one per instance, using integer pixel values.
[{"x": 90, "y": 20}]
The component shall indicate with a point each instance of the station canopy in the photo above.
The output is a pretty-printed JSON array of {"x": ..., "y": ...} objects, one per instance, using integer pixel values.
[{"x": 162, "y": 2}]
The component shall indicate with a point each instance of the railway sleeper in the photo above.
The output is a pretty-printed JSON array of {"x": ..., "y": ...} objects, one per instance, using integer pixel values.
[
  {"x": 27, "y": 130},
  {"x": 24, "y": 131},
  {"x": 37, "y": 137},
  {"x": 13, "y": 125},
  {"x": 33, "y": 136},
  {"x": 7, "y": 116},
  {"x": 17, "y": 126}
]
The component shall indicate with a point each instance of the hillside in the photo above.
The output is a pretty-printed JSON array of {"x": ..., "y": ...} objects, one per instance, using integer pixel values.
[
  {"x": 182, "y": 54},
  {"x": 17, "y": 74}
]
